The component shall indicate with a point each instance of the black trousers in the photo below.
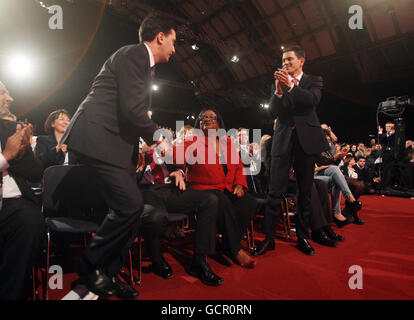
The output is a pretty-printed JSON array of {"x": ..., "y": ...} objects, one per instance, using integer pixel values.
[
  {"x": 321, "y": 208},
  {"x": 109, "y": 248},
  {"x": 304, "y": 166},
  {"x": 234, "y": 216},
  {"x": 160, "y": 199},
  {"x": 22, "y": 229}
]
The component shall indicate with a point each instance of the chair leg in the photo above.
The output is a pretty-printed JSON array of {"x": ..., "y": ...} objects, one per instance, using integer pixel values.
[
  {"x": 288, "y": 220},
  {"x": 131, "y": 274},
  {"x": 46, "y": 277},
  {"x": 139, "y": 280},
  {"x": 253, "y": 245},
  {"x": 34, "y": 269}
]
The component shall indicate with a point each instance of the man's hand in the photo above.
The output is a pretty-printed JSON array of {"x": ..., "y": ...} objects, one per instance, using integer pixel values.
[
  {"x": 283, "y": 77},
  {"x": 179, "y": 179},
  {"x": 61, "y": 147},
  {"x": 14, "y": 144},
  {"x": 380, "y": 130},
  {"x": 238, "y": 190}
]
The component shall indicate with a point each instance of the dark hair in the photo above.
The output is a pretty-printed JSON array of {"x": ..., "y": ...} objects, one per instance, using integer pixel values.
[
  {"x": 52, "y": 117},
  {"x": 220, "y": 120},
  {"x": 300, "y": 53},
  {"x": 347, "y": 160},
  {"x": 361, "y": 157},
  {"x": 154, "y": 24}
]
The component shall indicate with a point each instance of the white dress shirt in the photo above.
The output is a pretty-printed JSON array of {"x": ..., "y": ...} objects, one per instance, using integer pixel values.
[{"x": 10, "y": 188}]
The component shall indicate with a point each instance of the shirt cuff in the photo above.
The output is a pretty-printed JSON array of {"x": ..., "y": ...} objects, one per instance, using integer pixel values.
[
  {"x": 278, "y": 95},
  {"x": 4, "y": 165}
]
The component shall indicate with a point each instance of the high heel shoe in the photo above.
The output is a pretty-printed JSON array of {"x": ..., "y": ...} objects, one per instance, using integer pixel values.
[
  {"x": 340, "y": 223},
  {"x": 244, "y": 260}
]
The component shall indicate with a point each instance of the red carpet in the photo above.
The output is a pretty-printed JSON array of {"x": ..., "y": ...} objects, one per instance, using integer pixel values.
[{"x": 383, "y": 247}]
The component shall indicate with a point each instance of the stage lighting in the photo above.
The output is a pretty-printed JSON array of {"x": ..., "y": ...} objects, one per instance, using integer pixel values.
[
  {"x": 195, "y": 47},
  {"x": 264, "y": 105},
  {"x": 20, "y": 66},
  {"x": 155, "y": 87},
  {"x": 235, "y": 59}
]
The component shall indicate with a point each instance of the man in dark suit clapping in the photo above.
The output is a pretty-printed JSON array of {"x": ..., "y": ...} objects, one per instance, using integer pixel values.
[
  {"x": 104, "y": 134},
  {"x": 297, "y": 140}
]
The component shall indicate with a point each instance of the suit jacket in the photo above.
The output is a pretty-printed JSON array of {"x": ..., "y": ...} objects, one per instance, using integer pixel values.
[
  {"x": 45, "y": 151},
  {"x": 109, "y": 122},
  {"x": 26, "y": 168},
  {"x": 211, "y": 176},
  {"x": 298, "y": 108}
]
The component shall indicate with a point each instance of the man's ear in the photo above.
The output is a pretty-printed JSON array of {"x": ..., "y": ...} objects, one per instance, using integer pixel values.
[
  {"x": 302, "y": 61},
  {"x": 160, "y": 37}
]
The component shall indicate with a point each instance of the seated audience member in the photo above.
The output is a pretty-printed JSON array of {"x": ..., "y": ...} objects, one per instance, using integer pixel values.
[
  {"x": 164, "y": 190},
  {"x": 353, "y": 149},
  {"x": 224, "y": 177},
  {"x": 48, "y": 148},
  {"x": 372, "y": 142},
  {"x": 367, "y": 175},
  {"x": 21, "y": 222},
  {"x": 325, "y": 169},
  {"x": 360, "y": 150},
  {"x": 348, "y": 167}
]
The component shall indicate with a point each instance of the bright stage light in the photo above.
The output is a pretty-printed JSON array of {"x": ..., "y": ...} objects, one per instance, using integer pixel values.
[
  {"x": 20, "y": 66},
  {"x": 155, "y": 87}
]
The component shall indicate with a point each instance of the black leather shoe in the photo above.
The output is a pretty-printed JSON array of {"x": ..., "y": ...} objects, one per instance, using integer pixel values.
[
  {"x": 355, "y": 206},
  {"x": 340, "y": 223},
  {"x": 162, "y": 268},
  {"x": 334, "y": 236},
  {"x": 203, "y": 272},
  {"x": 97, "y": 282},
  {"x": 124, "y": 291},
  {"x": 304, "y": 246},
  {"x": 322, "y": 238},
  {"x": 267, "y": 245},
  {"x": 222, "y": 259},
  {"x": 357, "y": 220}
]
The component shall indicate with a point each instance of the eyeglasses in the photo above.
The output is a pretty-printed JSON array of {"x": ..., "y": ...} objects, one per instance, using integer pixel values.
[{"x": 204, "y": 117}]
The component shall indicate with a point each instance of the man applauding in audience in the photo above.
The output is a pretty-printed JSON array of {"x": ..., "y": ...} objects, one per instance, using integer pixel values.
[{"x": 21, "y": 222}]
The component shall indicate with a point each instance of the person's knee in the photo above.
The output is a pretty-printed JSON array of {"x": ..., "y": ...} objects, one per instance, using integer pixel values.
[{"x": 153, "y": 217}]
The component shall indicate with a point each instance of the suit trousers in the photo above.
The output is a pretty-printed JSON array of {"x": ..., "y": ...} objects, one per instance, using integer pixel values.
[
  {"x": 118, "y": 187},
  {"x": 234, "y": 216},
  {"x": 304, "y": 165},
  {"x": 164, "y": 198},
  {"x": 22, "y": 229},
  {"x": 321, "y": 209}
]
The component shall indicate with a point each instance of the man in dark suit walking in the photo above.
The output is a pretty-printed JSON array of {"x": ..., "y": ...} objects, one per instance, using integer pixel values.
[
  {"x": 297, "y": 141},
  {"x": 104, "y": 134}
]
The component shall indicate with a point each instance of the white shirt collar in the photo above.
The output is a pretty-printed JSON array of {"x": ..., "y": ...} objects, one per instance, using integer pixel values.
[
  {"x": 298, "y": 77},
  {"x": 151, "y": 56}
]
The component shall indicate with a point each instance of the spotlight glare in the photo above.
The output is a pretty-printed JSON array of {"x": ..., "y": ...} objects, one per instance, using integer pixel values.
[
  {"x": 264, "y": 105},
  {"x": 235, "y": 59},
  {"x": 20, "y": 66},
  {"x": 155, "y": 87},
  {"x": 195, "y": 47}
]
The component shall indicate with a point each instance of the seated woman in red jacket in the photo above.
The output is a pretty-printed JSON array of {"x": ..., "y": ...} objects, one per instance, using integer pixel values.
[{"x": 213, "y": 164}]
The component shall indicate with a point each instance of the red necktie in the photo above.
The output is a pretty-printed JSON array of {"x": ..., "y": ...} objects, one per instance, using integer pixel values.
[{"x": 295, "y": 81}]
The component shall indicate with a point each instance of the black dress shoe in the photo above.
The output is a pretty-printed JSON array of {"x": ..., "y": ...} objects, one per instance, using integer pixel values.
[
  {"x": 98, "y": 282},
  {"x": 203, "y": 272},
  {"x": 222, "y": 259},
  {"x": 304, "y": 246},
  {"x": 357, "y": 220},
  {"x": 322, "y": 238},
  {"x": 355, "y": 206},
  {"x": 340, "y": 223},
  {"x": 331, "y": 234},
  {"x": 162, "y": 268},
  {"x": 124, "y": 291},
  {"x": 267, "y": 245}
]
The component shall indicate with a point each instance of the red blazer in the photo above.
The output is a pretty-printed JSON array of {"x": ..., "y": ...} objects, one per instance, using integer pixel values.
[{"x": 210, "y": 174}]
